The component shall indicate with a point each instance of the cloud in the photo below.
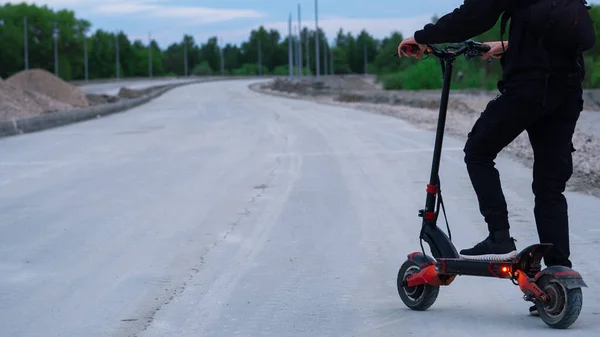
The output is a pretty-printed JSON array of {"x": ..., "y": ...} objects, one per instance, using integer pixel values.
[
  {"x": 378, "y": 27},
  {"x": 159, "y": 9},
  {"x": 56, "y": 4},
  {"x": 192, "y": 15}
]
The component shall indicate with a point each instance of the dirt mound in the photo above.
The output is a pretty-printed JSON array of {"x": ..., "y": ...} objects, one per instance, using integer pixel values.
[
  {"x": 17, "y": 103},
  {"x": 46, "y": 83}
]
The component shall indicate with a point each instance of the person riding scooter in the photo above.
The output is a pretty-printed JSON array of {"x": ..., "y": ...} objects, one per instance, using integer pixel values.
[{"x": 543, "y": 98}]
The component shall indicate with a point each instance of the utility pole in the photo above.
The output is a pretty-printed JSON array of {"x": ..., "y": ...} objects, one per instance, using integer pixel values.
[
  {"x": 117, "y": 55},
  {"x": 185, "y": 57},
  {"x": 307, "y": 52},
  {"x": 299, "y": 54},
  {"x": 331, "y": 61},
  {"x": 317, "y": 38},
  {"x": 290, "y": 51},
  {"x": 295, "y": 44},
  {"x": 299, "y": 42},
  {"x": 259, "y": 58},
  {"x": 365, "y": 57},
  {"x": 55, "y": 36},
  {"x": 222, "y": 58},
  {"x": 85, "y": 56},
  {"x": 149, "y": 54},
  {"x": 26, "y": 43},
  {"x": 325, "y": 63}
]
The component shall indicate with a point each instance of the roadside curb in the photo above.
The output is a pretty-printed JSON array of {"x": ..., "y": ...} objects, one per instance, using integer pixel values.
[{"x": 61, "y": 118}]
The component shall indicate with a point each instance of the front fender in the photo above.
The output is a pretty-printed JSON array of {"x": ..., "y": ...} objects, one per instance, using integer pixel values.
[
  {"x": 569, "y": 277},
  {"x": 421, "y": 259}
]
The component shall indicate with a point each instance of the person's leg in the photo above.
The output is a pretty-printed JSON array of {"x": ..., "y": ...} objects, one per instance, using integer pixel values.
[
  {"x": 551, "y": 139},
  {"x": 502, "y": 121}
]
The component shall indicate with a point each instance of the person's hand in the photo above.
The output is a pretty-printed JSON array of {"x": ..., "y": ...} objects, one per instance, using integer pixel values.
[
  {"x": 495, "y": 50},
  {"x": 416, "y": 52}
]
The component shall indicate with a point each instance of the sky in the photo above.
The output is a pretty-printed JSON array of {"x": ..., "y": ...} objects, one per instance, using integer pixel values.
[{"x": 232, "y": 20}]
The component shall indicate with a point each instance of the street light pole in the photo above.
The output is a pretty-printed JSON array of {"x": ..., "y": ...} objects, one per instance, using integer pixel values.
[
  {"x": 117, "y": 54},
  {"x": 85, "y": 55},
  {"x": 55, "y": 35},
  {"x": 222, "y": 58},
  {"x": 325, "y": 63},
  {"x": 299, "y": 43},
  {"x": 290, "y": 51},
  {"x": 295, "y": 45},
  {"x": 365, "y": 57},
  {"x": 185, "y": 58},
  {"x": 26, "y": 43},
  {"x": 317, "y": 38},
  {"x": 307, "y": 52},
  {"x": 259, "y": 58},
  {"x": 149, "y": 54},
  {"x": 331, "y": 61}
]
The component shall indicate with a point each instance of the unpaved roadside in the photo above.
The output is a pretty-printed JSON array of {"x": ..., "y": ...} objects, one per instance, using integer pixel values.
[{"x": 421, "y": 109}]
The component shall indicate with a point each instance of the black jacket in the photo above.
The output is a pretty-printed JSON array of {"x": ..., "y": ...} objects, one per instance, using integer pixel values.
[{"x": 524, "y": 59}]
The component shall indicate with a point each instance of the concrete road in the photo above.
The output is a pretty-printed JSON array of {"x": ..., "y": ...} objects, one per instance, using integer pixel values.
[
  {"x": 216, "y": 211},
  {"x": 112, "y": 88}
]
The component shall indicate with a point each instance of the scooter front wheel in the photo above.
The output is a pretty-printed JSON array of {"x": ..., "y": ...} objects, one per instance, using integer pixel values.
[
  {"x": 564, "y": 305},
  {"x": 420, "y": 297}
]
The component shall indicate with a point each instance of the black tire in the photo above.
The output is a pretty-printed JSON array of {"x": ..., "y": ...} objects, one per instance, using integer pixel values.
[
  {"x": 417, "y": 298},
  {"x": 565, "y": 304}
]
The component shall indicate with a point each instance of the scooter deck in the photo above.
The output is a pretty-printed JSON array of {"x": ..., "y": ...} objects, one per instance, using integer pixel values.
[
  {"x": 528, "y": 258},
  {"x": 499, "y": 269}
]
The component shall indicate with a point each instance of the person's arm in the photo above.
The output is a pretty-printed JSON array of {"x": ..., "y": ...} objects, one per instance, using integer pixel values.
[{"x": 472, "y": 18}]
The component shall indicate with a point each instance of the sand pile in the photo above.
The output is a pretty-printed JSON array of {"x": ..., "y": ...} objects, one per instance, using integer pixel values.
[
  {"x": 18, "y": 103},
  {"x": 46, "y": 83}
]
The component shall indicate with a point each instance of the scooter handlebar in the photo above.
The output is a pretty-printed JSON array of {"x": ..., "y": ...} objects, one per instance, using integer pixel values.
[{"x": 469, "y": 48}]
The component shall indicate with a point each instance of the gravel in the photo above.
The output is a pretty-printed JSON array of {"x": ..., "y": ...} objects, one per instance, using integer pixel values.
[{"x": 95, "y": 99}]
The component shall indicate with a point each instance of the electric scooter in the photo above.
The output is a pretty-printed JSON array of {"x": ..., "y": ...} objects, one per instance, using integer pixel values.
[{"x": 555, "y": 291}]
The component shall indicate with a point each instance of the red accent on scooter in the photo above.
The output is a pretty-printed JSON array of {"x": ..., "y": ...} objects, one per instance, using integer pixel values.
[
  {"x": 426, "y": 276},
  {"x": 432, "y": 189},
  {"x": 568, "y": 272},
  {"x": 429, "y": 216},
  {"x": 530, "y": 287}
]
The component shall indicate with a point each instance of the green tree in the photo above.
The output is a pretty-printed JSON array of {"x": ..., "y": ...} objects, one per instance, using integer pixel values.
[{"x": 205, "y": 58}]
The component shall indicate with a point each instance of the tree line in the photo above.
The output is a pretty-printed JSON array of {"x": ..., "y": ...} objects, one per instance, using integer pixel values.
[{"x": 344, "y": 53}]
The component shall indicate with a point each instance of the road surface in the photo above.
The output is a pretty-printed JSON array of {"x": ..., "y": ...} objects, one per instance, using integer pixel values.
[
  {"x": 217, "y": 211},
  {"x": 112, "y": 88}
]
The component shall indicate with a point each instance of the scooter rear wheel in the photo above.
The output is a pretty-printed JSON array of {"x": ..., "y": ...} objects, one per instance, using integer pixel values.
[
  {"x": 420, "y": 297},
  {"x": 564, "y": 306}
]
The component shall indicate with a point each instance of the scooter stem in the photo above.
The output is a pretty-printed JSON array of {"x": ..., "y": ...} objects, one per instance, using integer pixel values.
[
  {"x": 439, "y": 242},
  {"x": 439, "y": 137}
]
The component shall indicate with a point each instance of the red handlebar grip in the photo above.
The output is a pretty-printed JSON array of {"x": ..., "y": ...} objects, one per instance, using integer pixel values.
[{"x": 410, "y": 48}]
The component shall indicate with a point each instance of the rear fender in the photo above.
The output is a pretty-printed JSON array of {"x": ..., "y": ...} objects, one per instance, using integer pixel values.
[
  {"x": 421, "y": 259},
  {"x": 569, "y": 277}
]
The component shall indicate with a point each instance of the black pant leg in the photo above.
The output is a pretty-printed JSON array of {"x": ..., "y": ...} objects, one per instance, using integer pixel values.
[
  {"x": 551, "y": 139},
  {"x": 503, "y": 120}
]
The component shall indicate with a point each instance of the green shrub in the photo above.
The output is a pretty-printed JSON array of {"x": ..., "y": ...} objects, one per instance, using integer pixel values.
[
  {"x": 202, "y": 69},
  {"x": 391, "y": 81}
]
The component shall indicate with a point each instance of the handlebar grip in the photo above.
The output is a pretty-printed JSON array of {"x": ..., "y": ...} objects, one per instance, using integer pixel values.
[{"x": 410, "y": 48}]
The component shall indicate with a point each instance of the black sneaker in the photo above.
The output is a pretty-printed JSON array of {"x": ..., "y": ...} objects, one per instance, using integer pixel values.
[
  {"x": 533, "y": 311},
  {"x": 489, "y": 250}
]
